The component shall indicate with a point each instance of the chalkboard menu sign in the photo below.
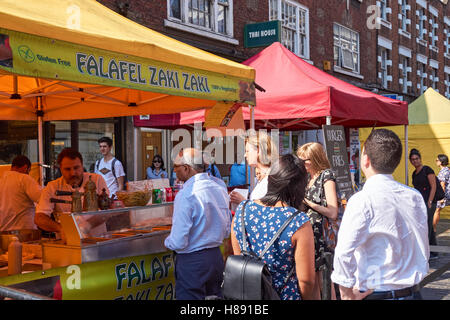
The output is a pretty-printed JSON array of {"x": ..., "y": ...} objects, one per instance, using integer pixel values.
[{"x": 334, "y": 137}]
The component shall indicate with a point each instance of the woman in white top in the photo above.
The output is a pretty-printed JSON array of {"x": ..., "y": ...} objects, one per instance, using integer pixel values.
[{"x": 260, "y": 153}]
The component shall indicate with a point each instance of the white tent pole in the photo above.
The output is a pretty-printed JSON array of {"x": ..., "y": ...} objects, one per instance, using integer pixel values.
[
  {"x": 328, "y": 120},
  {"x": 40, "y": 140},
  {"x": 406, "y": 154},
  {"x": 252, "y": 127}
]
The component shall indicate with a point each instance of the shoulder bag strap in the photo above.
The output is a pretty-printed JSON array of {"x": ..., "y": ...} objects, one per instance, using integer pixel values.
[
  {"x": 113, "y": 169},
  {"x": 277, "y": 235},
  {"x": 244, "y": 234}
]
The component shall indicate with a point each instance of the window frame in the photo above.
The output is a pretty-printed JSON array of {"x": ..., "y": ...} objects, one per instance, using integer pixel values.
[
  {"x": 183, "y": 23},
  {"x": 337, "y": 63},
  {"x": 434, "y": 73},
  {"x": 404, "y": 14},
  {"x": 404, "y": 73},
  {"x": 384, "y": 67},
  {"x": 422, "y": 68},
  {"x": 447, "y": 38},
  {"x": 383, "y": 7},
  {"x": 447, "y": 85},
  {"x": 301, "y": 32},
  {"x": 422, "y": 15}
]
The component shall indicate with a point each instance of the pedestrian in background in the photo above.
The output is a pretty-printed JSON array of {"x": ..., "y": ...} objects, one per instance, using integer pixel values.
[
  {"x": 424, "y": 180},
  {"x": 291, "y": 258},
  {"x": 382, "y": 249},
  {"x": 321, "y": 201},
  {"x": 260, "y": 151},
  {"x": 18, "y": 193},
  {"x": 201, "y": 221},
  {"x": 157, "y": 170},
  {"x": 109, "y": 167},
  {"x": 444, "y": 180}
]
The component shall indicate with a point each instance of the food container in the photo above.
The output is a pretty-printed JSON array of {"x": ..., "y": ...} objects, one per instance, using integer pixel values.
[{"x": 134, "y": 198}]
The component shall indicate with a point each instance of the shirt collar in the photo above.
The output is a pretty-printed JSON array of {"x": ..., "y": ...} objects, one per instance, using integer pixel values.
[
  {"x": 196, "y": 177},
  {"x": 375, "y": 179}
]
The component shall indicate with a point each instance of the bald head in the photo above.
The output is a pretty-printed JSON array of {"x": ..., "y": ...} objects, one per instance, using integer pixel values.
[{"x": 191, "y": 157}]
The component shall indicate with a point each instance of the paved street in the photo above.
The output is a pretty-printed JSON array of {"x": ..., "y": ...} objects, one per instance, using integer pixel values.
[{"x": 440, "y": 288}]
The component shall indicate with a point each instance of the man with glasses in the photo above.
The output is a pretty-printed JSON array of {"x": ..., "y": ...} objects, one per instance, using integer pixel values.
[
  {"x": 18, "y": 193},
  {"x": 109, "y": 167},
  {"x": 201, "y": 221}
]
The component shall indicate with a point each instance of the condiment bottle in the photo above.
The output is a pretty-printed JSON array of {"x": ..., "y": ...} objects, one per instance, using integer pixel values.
[{"x": 14, "y": 256}]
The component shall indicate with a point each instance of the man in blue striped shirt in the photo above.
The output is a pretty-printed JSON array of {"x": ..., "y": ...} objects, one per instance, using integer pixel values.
[{"x": 201, "y": 221}]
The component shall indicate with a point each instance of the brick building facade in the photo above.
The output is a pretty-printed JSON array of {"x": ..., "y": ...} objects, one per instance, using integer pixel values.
[{"x": 398, "y": 47}]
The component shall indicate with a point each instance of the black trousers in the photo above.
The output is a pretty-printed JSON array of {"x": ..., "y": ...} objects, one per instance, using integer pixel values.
[{"x": 431, "y": 234}]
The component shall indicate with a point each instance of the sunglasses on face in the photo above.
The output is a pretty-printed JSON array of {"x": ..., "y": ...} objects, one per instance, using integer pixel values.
[{"x": 156, "y": 161}]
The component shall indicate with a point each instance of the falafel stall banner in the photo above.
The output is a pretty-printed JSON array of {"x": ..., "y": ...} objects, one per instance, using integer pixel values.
[{"x": 42, "y": 57}]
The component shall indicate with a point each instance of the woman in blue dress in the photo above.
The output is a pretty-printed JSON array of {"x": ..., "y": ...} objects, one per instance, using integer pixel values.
[
  {"x": 291, "y": 258},
  {"x": 157, "y": 170}
]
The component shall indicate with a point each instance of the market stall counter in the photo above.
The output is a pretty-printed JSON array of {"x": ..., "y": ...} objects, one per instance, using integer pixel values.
[{"x": 107, "y": 254}]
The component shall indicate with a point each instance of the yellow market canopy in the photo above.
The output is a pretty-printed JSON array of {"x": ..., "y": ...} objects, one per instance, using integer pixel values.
[
  {"x": 431, "y": 107},
  {"x": 76, "y": 59},
  {"x": 428, "y": 131}
]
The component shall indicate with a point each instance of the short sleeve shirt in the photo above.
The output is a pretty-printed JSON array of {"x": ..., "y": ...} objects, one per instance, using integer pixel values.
[
  {"x": 47, "y": 207},
  {"x": 261, "y": 225},
  {"x": 421, "y": 183},
  {"x": 105, "y": 169}
]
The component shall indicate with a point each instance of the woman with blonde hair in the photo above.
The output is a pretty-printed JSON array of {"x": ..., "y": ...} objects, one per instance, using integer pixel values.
[
  {"x": 260, "y": 152},
  {"x": 321, "y": 201}
]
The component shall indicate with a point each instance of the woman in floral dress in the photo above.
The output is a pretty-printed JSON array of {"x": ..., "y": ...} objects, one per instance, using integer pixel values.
[
  {"x": 290, "y": 259},
  {"x": 444, "y": 179},
  {"x": 321, "y": 200}
]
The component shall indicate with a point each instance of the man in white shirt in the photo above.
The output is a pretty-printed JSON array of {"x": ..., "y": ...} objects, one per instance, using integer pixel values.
[
  {"x": 382, "y": 250},
  {"x": 201, "y": 221},
  {"x": 109, "y": 167},
  {"x": 73, "y": 178},
  {"x": 18, "y": 193}
]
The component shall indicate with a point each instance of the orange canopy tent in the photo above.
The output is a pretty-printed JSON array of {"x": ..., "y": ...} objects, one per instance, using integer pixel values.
[{"x": 76, "y": 59}]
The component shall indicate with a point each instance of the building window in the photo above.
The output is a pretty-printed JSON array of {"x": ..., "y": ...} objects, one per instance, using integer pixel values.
[
  {"x": 434, "y": 32},
  {"x": 222, "y": 12},
  {"x": 447, "y": 85},
  {"x": 447, "y": 41},
  {"x": 199, "y": 13},
  {"x": 421, "y": 73},
  {"x": 206, "y": 15},
  {"x": 346, "y": 48},
  {"x": 175, "y": 9},
  {"x": 383, "y": 9},
  {"x": 294, "y": 25},
  {"x": 384, "y": 67},
  {"x": 422, "y": 20},
  {"x": 404, "y": 74},
  {"x": 434, "y": 79},
  {"x": 404, "y": 15}
]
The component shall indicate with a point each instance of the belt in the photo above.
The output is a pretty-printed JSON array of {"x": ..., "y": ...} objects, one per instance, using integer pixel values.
[{"x": 392, "y": 294}]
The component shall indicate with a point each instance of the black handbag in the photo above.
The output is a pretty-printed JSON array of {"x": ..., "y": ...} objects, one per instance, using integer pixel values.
[
  {"x": 440, "y": 194},
  {"x": 246, "y": 276}
]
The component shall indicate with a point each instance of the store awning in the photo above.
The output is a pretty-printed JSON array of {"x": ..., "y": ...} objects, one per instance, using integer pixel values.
[
  {"x": 299, "y": 96},
  {"x": 76, "y": 59}
]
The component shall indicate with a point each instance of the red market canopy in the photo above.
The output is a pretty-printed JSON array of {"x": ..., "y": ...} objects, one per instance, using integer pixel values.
[{"x": 300, "y": 96}]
